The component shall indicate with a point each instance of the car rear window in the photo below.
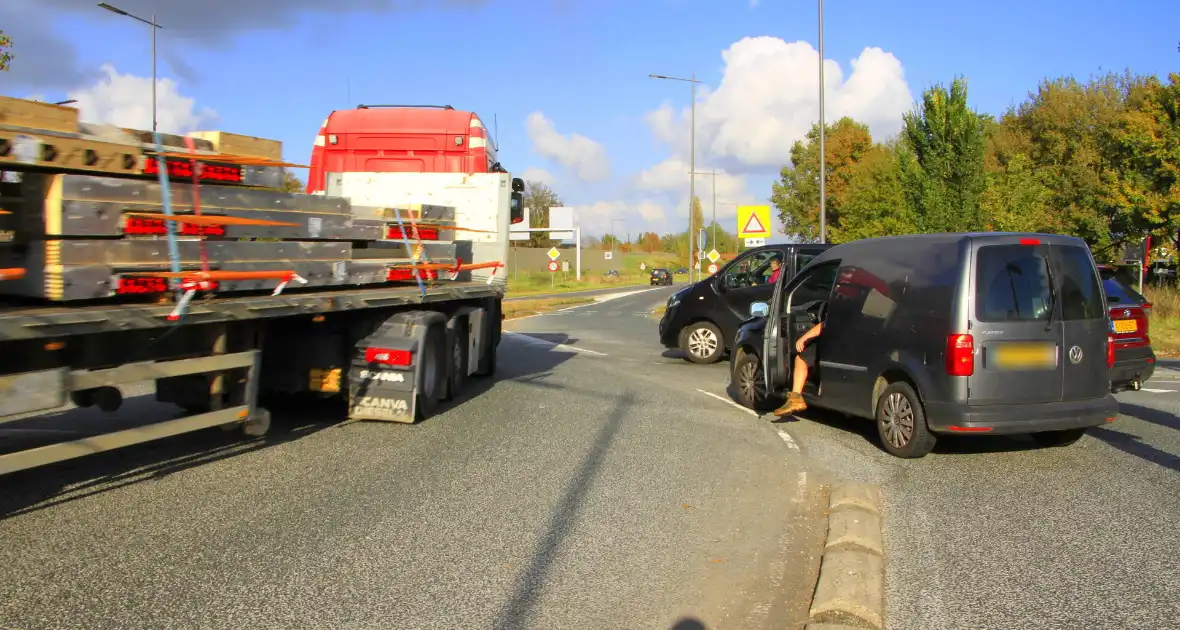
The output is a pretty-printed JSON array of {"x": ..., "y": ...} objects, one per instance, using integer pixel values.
[
  {"x": 1118, "y": 291},
  {"x": 1013, "y": 283}
]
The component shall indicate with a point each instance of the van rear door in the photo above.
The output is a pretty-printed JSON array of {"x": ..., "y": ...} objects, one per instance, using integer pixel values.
[
  {"x": 1016, "y": 334},
  {"x": 1084, "y": 323}
]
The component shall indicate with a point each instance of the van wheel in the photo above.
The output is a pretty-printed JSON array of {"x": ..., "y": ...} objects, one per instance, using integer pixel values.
[
  {"x": 748, "y": 381},
  {"x": 701, "y": 343},
  {"x": 901, "y": 422},
  {"x": 1058, "y": 438}
]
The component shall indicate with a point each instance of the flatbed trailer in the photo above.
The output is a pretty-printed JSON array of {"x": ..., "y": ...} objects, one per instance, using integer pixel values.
[
  {"x": 227, "y": 294},
  {"x": 228, "y": 355}
]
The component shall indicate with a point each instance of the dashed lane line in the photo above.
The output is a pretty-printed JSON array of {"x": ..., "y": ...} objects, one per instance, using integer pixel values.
[{"x": 729, "y": 402}]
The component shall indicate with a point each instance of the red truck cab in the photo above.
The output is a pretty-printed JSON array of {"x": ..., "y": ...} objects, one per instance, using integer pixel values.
[{"x": 401, "y": 139}]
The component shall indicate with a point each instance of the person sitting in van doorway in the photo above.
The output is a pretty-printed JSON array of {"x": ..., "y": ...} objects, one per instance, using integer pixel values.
[{"x": 805, "y": 360}]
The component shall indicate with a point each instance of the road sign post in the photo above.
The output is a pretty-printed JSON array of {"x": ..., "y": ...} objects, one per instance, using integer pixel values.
[{"x": 554, "y": 254}]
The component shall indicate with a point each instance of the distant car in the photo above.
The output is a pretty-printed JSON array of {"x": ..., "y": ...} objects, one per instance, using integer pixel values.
[
  {"x": 682, "y": 271},
  {"x": 613, "y": 273},
  {"x": 1134, "y": 359},
  {"x": 661, "y": 277}
]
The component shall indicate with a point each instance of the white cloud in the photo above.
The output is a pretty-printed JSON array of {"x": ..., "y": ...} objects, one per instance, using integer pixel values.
[
  {"x": 125, "y": 100},
  {"x": 584, "y": 157},
  {"x": 623, "y": 217},
  {"x": 533, "y": 174},
  {"x": 767, "y": 99}
]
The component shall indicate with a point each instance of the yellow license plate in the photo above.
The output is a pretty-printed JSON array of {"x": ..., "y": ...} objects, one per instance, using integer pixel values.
[
  {"x": 1125, "y": 325},
  {"x": 1018, "y": 355}
]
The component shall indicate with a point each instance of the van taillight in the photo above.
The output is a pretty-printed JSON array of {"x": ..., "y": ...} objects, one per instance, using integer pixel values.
[
  {"x": 1110, "y": 352},
  {"x": 960, "y": 355}
]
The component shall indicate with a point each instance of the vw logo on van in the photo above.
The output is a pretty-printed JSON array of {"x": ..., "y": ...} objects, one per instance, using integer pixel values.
[{"x": 1075, "y": 354}]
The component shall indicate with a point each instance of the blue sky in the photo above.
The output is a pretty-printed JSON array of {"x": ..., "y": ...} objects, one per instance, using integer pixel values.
[{"x": 584, "y": 66}]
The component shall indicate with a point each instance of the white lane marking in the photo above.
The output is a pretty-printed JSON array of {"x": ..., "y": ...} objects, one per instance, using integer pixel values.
[
  {"x": 1157, "y": 391},
  {"x": 533, "y": 341},
  {"x": 570, "y": 308},
  {"x": 801, "y": 486},
  {"x": 614, "y": 296},
  {"x": 791, "y": 444},
  {"x": 729, "y": 402}
]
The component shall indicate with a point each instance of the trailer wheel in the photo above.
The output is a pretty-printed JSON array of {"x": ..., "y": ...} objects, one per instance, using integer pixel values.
[
  {"x": 458, "y": 359},
  {"x": 257, "y": 424},
  {"x": 432, "y": 383},
  {"x": 487, "y": 360}
]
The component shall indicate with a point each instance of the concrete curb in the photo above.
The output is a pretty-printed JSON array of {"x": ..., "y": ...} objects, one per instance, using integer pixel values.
[{"x": 851, "y": 588}]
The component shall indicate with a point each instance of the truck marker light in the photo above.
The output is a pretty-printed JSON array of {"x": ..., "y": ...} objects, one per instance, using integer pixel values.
[{"x": 388, "y": 356}]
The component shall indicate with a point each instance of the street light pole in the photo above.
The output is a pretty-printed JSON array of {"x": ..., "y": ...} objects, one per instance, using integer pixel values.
[
  {"x": 823, "y": 205},
  {"x": 713, "y": 174},
  {"x": 692, "y": 164},
  {"x": 151, "y": 23}
]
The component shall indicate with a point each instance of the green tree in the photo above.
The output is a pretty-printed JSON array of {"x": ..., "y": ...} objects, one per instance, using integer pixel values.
[
  {"x": 5, "y": 54},
  {"x": 796, "y": 194},
  {"x": 1017, "y": 200},
  {"x": 874, "y": 202},
  {"x": 945, "y": 178},
  {"x": 538, "y": 198},
  {"x": 291, "y": 183}
]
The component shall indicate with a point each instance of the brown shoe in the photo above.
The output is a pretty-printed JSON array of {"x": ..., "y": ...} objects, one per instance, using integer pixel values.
[{"x": 794, "y": 404}]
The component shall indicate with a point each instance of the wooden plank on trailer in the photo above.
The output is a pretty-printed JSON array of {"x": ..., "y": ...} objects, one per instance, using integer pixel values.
[
  {"x": 237, "y": 144},
  {"x": 19, "y": 112}
]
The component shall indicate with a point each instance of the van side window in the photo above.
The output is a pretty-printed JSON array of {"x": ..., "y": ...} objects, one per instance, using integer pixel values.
[
  {"x": 1012, "y": 283},
  {"x": 751, "y": 270},
  {"x": 1081, "y": 297},
  {"x": 816, "y": 287}
]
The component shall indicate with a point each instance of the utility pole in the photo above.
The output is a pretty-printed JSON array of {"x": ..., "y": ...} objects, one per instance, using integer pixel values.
[
  {"x": 692, "y": 165},
  {"x": 155, "y": 27},
  {"x": 823, "y": 195}
]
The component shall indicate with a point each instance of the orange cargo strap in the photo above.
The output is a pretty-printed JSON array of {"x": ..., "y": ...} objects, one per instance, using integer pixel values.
[
  {"x": 206, "y": 219},
  {"x": 193, "y": 281},
  {"x": 12, "y": 274}
]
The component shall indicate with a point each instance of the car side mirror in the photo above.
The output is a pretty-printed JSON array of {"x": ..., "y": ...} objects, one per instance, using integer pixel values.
[{"x": 759, "y": 309}]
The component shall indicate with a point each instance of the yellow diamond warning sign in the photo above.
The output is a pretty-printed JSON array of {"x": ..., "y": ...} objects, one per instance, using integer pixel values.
[
  {"x": 554, "y": 253},
  {"x": 753, "y": 221}
]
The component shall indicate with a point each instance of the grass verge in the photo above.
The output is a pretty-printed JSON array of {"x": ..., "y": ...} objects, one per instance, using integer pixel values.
[
  {"x": 527, "y": 282},
  {"x": 1165, "y": 320},
  {"x": 524, "y": 308}
]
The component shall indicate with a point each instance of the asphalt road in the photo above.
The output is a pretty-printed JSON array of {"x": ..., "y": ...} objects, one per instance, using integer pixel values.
[
  {"x": 579, "y": 489},
  {"x": 995, "y": 533}
]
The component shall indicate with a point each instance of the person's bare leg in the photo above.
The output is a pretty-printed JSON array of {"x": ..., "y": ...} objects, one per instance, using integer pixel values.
[{"x": 799, "y": 375}]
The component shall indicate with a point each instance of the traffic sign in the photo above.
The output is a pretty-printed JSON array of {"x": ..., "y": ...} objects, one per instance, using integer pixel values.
[
  {"x": 701, "y": 240},
  {"x": 609, "y": 255},
  {"x": 552, "y": 265},
  {"x": 554, "y": 253},
  {"x": 713, "y": 268},
  {"x": 753, "y": 221},
  {"x": 755, "y": 242},
  {"x": 713, "y": 255}
]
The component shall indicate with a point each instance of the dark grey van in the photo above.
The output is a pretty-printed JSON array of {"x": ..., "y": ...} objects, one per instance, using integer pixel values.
[
  {"x": 971, "y": 334},
  {"x": 703, "y": 318}
]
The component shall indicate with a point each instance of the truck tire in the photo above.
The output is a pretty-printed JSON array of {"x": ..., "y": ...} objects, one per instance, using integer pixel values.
[
  {"x": 457, "y": 358},
  {"x": 487, "y": 361},
  {"x": 432, "y": 386}
]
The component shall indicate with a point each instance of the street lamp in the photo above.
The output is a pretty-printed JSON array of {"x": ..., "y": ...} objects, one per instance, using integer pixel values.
[
  {"x": 713, "y": 174},
  {"x": 692, "y": 156},
  {"x": 823, "y": 202},
  {"x": 151, "y": 23}
]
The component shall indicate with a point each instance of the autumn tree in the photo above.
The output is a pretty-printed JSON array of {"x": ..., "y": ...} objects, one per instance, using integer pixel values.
[
  {"x": 945, "y": 179},
  {"x": 538, "y": 198},
  {"x": 291, "y": 183},
  {"x": 796, "y": 194},
  {"x": 650, "y": 242},
  {"x": 5, "y": 55}
]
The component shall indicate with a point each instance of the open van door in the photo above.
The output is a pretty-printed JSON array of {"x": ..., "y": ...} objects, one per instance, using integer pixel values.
[
  {"x": 773, "y": 364},
  {"x": 794, "y": 309}
]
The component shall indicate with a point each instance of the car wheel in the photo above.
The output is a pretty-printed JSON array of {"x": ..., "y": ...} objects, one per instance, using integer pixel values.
[
  {"x": 901, "y": 422},
  {"x": 702, "y": 343},
  {"x": 748, "y": 381},
  {"x": 1058, "y": 438}
]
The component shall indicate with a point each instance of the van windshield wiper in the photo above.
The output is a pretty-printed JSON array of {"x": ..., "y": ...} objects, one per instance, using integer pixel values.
[{"x": 1052, "y": 295}]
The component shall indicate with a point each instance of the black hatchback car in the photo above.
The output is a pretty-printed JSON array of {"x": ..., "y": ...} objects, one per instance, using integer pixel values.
[
  {"x": 661, "y": 277},
  {"x": 703, "y": 318},
  {"x": 942, "y": 334}
]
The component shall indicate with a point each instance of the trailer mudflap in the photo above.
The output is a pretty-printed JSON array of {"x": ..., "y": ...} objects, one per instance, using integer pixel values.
[{"x": 387, "y": 369}]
